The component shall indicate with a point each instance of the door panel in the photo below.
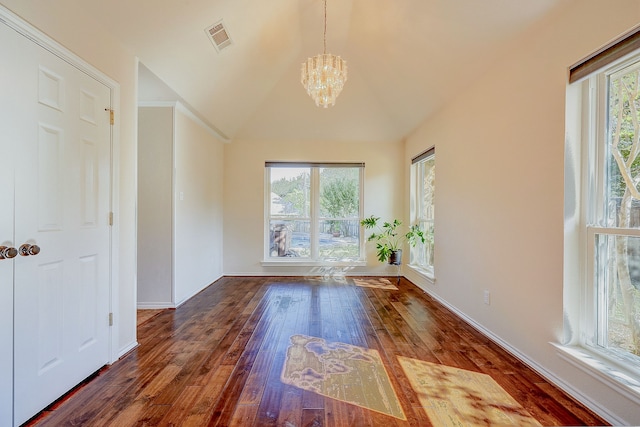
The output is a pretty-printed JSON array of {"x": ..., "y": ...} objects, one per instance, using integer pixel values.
[
  {"x": 48, "y": 170},
  {"x": 62, "y": 173}
]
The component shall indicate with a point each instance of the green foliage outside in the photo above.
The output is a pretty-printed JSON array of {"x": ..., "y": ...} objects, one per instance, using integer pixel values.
[
  {"x": 339, "y": 196},
  {"x": 623, "y": 125},
  {"x": 294, "y": 193}
]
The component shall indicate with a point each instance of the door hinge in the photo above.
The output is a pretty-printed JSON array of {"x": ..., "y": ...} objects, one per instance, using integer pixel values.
[
  {"x": 110, "y": 218},
  {"x": 110, "y": 319},
  {"x": 112, "y": 119}
]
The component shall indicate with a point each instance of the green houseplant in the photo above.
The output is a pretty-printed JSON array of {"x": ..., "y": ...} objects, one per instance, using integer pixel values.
[{"x": 389, "y": 238}]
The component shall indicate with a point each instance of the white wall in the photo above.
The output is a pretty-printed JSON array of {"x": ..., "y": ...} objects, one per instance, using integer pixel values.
[
  {"x": 63, "y": 21},
  {"x": 198, "y": 207},
  {"x": 179, "y": 206},
  {"x": 244, "y": 195},
  {"x": 155, "y": 207},
  {"x": 499, "y": 193}
]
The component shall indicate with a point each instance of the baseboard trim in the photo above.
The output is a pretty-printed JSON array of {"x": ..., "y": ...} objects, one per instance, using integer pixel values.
[
  {"x": 196, "y": 292},
  {"x": 154, "y": 305},
  {"x": 126, "y": 350},
  {"x": 314, "y": 273}
]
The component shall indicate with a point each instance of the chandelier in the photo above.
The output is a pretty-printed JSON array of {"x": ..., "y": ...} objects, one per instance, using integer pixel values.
[{"x": 323, "y": 76}]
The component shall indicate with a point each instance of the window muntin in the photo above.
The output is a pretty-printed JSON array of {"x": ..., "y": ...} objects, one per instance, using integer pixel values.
[
  {"x": 423, "y": 170},
  {"x": 613, "y": 217},
  {"x": 314, "y": 212}
]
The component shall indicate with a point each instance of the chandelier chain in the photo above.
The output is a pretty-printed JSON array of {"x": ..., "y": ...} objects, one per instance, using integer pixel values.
[{"x": 325, "y": 27}]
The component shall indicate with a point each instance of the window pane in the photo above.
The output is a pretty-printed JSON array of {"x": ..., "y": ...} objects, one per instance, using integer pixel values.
[
  {"x": 422, "y": 253},
  {"x": 339, "y": 192},
  {"x": 339, "y": 239},
  {"x": 290, "y": 192},
  {"x": 289, "y": 239},
  {"x": 428, "y": 185},
  {"x": 618, "y": 271},
  {"x": 622, "y": 207}
]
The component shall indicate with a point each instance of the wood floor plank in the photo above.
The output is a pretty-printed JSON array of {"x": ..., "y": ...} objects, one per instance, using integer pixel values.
[
  {"x": 312, "y": 418},
  {"x": 244, "y": 415},
  {"x": 290, "y": 411},
  {"x": 275, "y": 404},
  {"x": 181, "y": 406},
  {"x": 218, "y": 359},
  {"x": 203, "y": 410}
]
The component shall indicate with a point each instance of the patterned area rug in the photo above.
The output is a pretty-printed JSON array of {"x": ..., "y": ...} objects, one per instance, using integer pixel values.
[
  {"x": 341, "y": 371},
  {"x": 456, "y": 397},
  {"x": 375, "y": 283}
]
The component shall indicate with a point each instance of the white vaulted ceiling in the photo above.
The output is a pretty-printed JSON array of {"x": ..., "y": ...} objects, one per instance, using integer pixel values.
[{"x": 405, "y": 58}]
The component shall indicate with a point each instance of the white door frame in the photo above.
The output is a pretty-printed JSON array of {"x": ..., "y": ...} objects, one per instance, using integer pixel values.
[{"x": 41, "y": 39}]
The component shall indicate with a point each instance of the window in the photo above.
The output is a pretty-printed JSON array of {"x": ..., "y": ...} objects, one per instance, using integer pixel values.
[
  {"x": 423, "y": 181},
  {"x": 313, "y": 211},
  {"x": 610, "y": 212}
]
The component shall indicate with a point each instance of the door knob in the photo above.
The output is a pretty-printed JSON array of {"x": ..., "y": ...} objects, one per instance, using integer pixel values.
[
  {"x": 27, "y": 249},
  {"x": 7, "y": 252}
]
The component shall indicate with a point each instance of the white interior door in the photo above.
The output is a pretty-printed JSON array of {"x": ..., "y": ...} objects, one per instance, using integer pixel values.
[
  {"x": 7, "y": 140},
  {"x": 61, "y": 182}
]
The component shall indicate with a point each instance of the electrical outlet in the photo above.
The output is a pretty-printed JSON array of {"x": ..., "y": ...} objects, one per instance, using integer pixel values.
[{"x": 487, "y": 297}]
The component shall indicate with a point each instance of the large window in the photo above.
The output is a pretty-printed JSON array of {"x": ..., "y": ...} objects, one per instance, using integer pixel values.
[
  {"x": 611, "y": 211},
  {"x": 313, "y": 211},
  {"x": 423, "y": 182}
]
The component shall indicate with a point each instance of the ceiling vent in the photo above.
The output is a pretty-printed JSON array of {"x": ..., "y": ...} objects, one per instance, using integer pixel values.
[{"x": 218, "y": 35}]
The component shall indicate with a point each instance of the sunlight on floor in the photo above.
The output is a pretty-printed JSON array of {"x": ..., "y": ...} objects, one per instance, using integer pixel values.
[
  {"x": 456, "y": 397},
  {"x": 341, "y": 371},
  {"x": 356, "y": 375},
  {"x": 375, "y": 283}
]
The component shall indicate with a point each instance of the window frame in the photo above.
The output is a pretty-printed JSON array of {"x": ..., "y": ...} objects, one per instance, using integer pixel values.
[
  {"x": 597, "y": 111},
  {"x": 614, "y": 367},
  {"x": 314, "y": 215},
  {"x": 418, "y": 216}
]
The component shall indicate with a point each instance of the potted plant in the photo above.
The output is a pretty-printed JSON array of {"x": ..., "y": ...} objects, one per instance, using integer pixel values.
[
  {"x": 389, "y": 238},
  {"x": 335, "y": 227}
]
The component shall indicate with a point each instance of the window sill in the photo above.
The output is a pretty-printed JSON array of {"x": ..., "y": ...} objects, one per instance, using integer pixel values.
[
  {"x": 307, "y": 263},
  {"x": 425, "y": 274},
  {"x": 623, "y": 381}
]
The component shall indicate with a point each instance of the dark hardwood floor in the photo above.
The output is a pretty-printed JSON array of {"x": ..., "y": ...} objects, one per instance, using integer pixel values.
[{"x": 218, "y": 359}]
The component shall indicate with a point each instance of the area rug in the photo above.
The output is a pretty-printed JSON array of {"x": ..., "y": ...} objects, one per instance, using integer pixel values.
[
  {"x": 375, "y": 283},
  {"x": 456, "y": 397},
  {"x": 344, "y": 372}
]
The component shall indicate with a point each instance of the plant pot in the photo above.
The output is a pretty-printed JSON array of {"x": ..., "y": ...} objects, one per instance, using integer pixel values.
[{"x": 395, "y": 257}]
